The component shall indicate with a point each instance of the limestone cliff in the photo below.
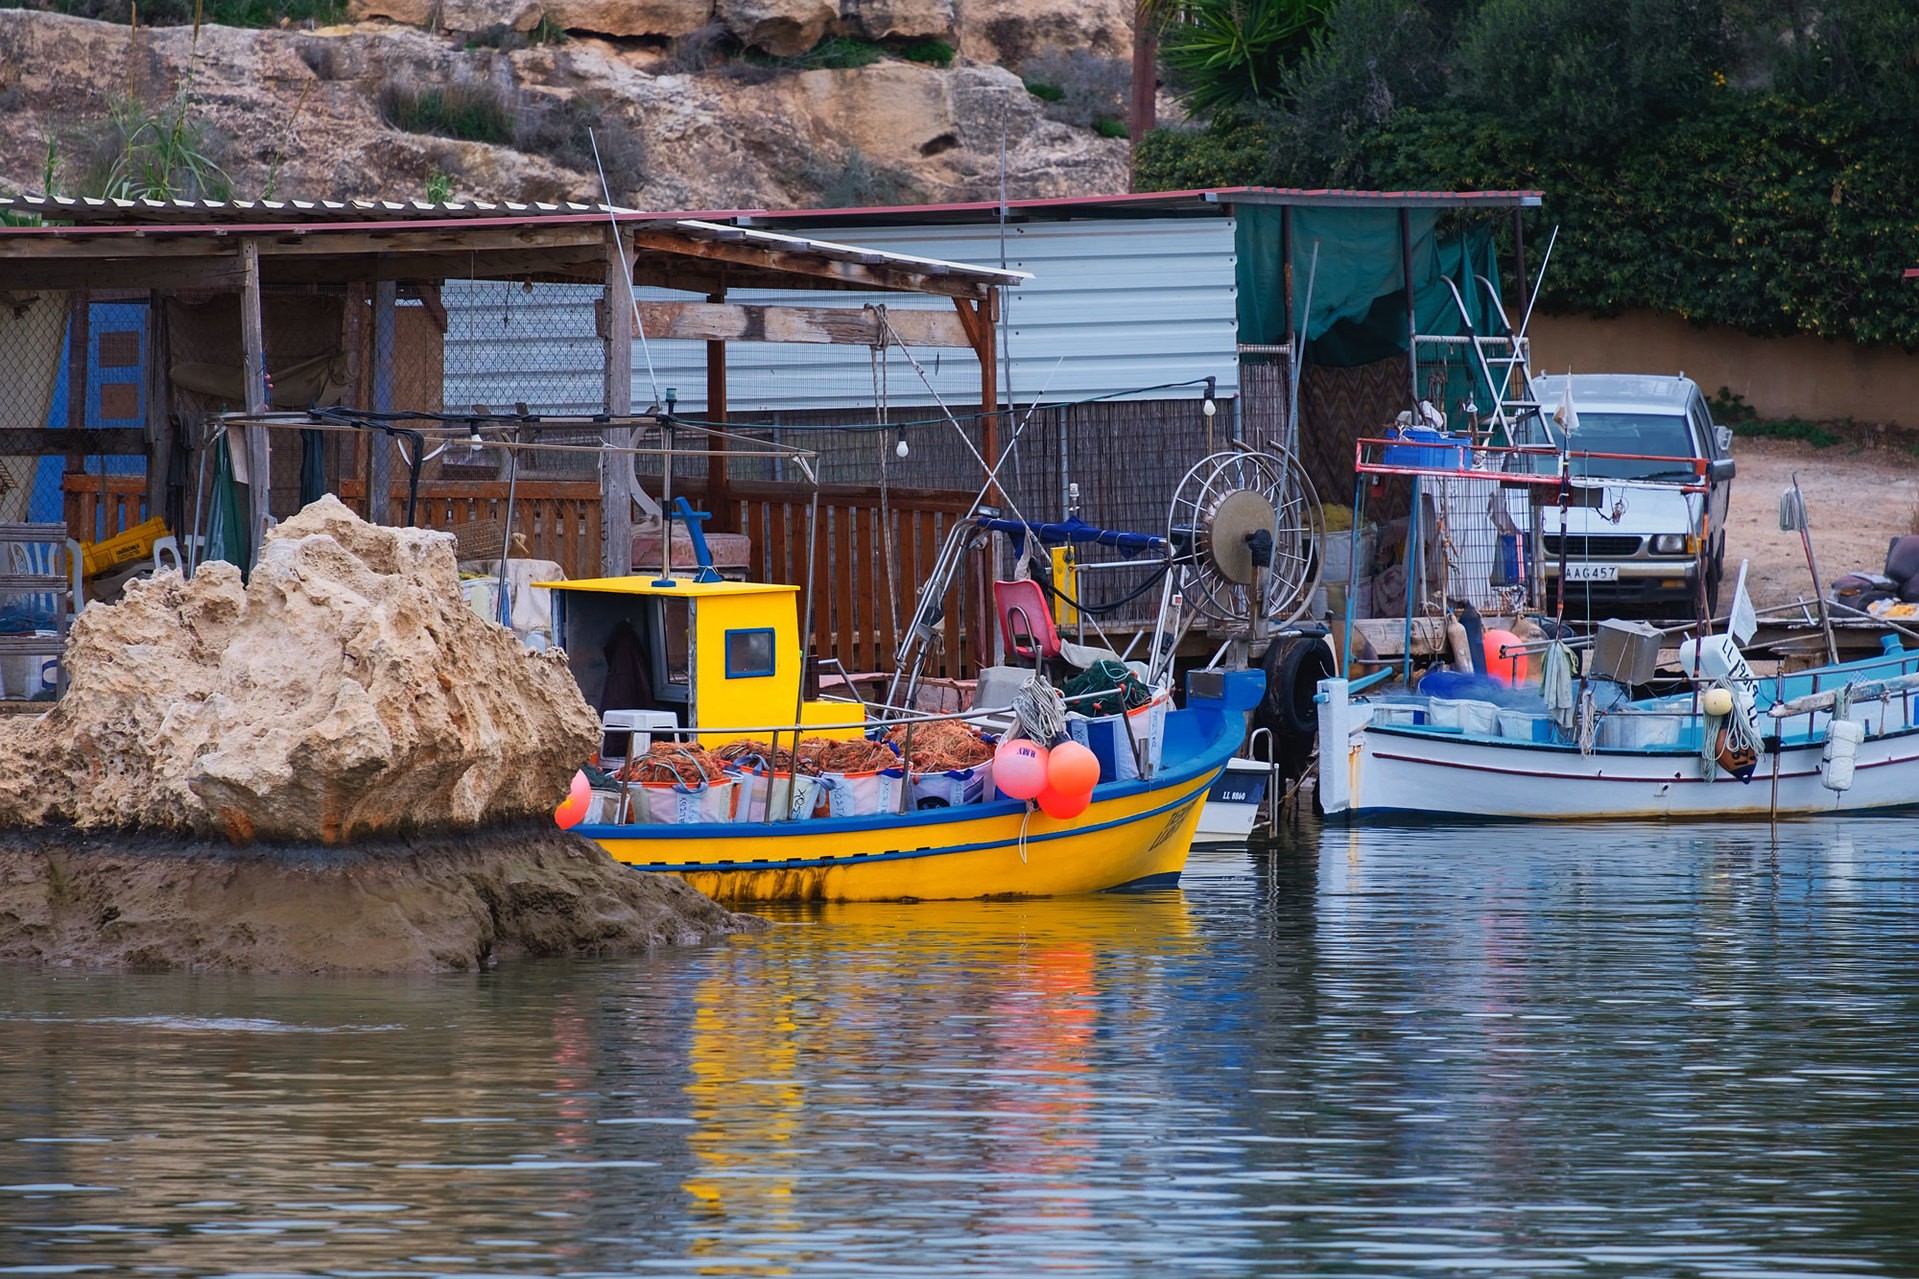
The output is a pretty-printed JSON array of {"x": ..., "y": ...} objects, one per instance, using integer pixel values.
[
  {"x": 343, "y": 693},
  {"x": 696, "y": 104}
]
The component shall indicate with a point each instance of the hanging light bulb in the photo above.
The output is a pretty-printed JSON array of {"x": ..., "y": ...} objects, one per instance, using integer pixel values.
[
  {"x": 900, "y": 449},
  {"x": 1207, "y": 407}
]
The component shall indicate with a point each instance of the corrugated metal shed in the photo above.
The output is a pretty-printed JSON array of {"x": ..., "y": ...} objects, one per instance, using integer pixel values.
[{"x": 1114, "y": 305}]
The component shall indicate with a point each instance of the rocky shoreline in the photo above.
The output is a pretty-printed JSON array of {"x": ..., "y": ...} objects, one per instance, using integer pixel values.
[{"x": 415, "y": 904}]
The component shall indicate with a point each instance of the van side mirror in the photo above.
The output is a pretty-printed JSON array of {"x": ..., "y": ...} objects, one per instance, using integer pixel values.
[
  {"x": 1723, "y": 435},
  {"x": 1721, "y": 469}
]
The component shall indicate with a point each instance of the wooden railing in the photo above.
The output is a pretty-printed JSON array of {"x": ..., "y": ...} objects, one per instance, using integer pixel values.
[
  {"x": 97, "y": 507},
  {"x": 560, "y": 519}
]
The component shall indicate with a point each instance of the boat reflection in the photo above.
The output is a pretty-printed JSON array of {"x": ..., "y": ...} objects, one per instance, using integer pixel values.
[{"x": 976, "y": 1019}]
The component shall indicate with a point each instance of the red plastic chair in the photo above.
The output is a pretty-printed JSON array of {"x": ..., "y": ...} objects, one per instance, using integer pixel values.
[{"x": 1025, "y": 620}]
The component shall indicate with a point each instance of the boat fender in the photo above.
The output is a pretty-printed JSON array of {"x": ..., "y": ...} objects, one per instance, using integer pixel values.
[
  {"x": 1841, "y": 754},
  {"x": 1294, "y": 666},
  {"x": 1459, "y": 645}
]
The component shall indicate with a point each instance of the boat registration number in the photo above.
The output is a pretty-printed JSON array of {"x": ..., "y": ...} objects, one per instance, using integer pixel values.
[{"x": 1592, "y": 572}]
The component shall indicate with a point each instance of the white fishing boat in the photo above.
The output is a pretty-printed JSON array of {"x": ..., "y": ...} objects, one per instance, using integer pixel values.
[{"x": 1837, "y": 738}]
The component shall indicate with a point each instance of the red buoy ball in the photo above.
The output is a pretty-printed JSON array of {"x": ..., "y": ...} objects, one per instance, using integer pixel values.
[
  {"x": 1064, "y": 807},
  {"x": 1072, "y": 769},
  {"x": 1512, "y": 670},
  {"x": 572, "y": 809}
]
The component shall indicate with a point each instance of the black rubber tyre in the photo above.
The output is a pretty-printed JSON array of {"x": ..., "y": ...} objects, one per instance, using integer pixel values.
[{"x": 1294, "y": 667}]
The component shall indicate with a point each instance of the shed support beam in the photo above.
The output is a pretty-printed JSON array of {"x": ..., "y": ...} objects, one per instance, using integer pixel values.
[
  {"x": 718, "y": 500},
  {"x": 379, "y": 466},
  {"x": 616, "y": 469},
  {"x": 259, "y": 450},
  {"x": 1412, "y": 309},
  {"x": 979, "y": 319}
]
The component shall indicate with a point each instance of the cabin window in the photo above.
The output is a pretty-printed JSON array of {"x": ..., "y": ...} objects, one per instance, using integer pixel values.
[
  {"x": 749, "y": 653},
  {"x": 675, "y": 652}
]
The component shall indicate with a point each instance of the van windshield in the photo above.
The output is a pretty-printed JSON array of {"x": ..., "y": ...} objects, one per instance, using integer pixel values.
[{"x": 1662, "y": 440}]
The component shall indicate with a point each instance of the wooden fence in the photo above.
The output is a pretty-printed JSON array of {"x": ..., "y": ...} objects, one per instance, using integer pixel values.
[
  {"x": 560, "y": 519},
  {"x": 99, "y": 506}
]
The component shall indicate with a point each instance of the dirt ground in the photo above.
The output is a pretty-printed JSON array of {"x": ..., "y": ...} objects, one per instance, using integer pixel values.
[{"x": 1857, "y": 499}]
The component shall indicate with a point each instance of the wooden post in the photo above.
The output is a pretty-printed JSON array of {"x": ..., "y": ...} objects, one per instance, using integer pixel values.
[
  {"x": 1143, "y": 106},
  {"x": 1412, "y": 309},
  {"x": 159, "y": 424},
  {"x": 259, "y": 449},
  {"x": 79, "y": 374},
  {"x": 718, "y": 500},
  {"x": 616, "y": 469},
  {"x": 379, "y": 464},
  {"x": 979, "y": 318}
]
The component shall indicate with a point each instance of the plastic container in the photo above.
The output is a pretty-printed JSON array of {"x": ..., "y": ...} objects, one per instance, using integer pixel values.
[
  {"x": 1526, "y": 726},
  {"x": 1428, "y": 450},
  {"x": 1479, "y": 717},
  {"x": 122, "y": 548},
  {"x": 1640, "y": 730}
]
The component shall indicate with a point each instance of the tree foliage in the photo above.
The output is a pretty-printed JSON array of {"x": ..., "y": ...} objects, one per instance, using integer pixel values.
[
  {"x": 1739, "y": 163},
  {"x": 1224, "y": 54}
]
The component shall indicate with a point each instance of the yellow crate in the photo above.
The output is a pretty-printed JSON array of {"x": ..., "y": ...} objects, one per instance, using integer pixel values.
[{"x": 122, "y": 548}]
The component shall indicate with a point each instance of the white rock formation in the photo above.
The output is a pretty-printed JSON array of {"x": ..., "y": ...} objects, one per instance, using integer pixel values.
[{"x": 344, "y": 692}]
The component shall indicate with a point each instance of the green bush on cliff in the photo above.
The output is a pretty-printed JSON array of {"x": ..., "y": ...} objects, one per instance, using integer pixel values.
[{"x": 1748, "y": 165}]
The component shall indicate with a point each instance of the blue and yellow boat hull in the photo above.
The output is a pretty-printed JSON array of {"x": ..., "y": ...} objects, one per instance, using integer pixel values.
[{"x": 1134, "y": 833}]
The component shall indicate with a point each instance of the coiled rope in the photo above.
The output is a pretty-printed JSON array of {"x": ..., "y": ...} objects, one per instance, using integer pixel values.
[{"x": 1040, "y": 709}]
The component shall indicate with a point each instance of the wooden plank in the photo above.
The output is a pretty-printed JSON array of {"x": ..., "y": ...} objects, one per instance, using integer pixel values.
[
  {"x": 831, "y": 272},
  {"x": 953, "y": 603},
  {"x": 32, "y": 645},
  {"x": 823, "y": 597},
  {"x": 779, "y": 556},
  {"x": 869, "y": 596},
  {"x": 616, "y": 469},
  {"x": 829, "y": 325}
]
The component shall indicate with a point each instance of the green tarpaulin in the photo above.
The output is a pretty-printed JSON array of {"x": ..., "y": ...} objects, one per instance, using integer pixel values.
[{"x": 1357, "y": 313}]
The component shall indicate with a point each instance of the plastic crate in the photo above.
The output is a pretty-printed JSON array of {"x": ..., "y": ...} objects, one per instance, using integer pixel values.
[{"x": 122, "y": 548}]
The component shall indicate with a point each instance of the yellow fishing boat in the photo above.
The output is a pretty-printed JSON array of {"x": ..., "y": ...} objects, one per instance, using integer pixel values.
[{"x": 723, "y": 657}]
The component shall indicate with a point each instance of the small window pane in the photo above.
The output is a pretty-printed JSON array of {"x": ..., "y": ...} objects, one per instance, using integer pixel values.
[{"x": 749, "y": 653}]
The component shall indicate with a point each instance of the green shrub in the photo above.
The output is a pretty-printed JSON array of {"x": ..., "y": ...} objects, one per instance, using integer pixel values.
[
  {"x": 854, "y": 182},
  {"x": 468, "y": 110},
  {"x": 1045, "y": 92},
  {"x": 934, "y": 53},
  {"x": 1108, "y": 127}
]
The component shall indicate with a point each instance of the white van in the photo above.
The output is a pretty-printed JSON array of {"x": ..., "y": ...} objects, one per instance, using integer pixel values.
[{"x": 1638, "y": 546}]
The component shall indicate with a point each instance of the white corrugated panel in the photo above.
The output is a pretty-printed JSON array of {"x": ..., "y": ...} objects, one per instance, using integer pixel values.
[{"x": 1115, "y": 306}]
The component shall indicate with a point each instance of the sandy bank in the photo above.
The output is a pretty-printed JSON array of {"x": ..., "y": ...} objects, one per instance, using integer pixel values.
[{"x": 406, "y": 905}]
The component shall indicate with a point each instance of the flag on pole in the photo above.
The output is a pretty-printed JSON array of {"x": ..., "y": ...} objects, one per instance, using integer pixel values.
[
  {"x": 1565, "y": 417},
  {"x": 1742, "y": 622}
]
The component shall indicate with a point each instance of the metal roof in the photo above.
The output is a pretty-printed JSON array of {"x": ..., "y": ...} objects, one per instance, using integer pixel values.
[
  {"x": 1202, "y": 201},
  {"x": 518, "y": 240}
]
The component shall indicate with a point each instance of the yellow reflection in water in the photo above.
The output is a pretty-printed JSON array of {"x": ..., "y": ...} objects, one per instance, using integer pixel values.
[{"x": 1010, "y": 995}]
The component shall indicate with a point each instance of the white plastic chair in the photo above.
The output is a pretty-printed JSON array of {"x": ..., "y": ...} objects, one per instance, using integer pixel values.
[{"x": 167, "y": 549}]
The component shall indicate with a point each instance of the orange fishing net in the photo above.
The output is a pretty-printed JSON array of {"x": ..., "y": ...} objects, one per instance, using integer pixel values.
[
  {"x": 942, "y": 746},
  {"x": 674, "y": 762},
  {"x": 828, "y": 755}
]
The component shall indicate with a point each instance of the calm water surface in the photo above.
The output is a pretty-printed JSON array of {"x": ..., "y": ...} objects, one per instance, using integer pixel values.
[{"x": 1618, "y": 1051}]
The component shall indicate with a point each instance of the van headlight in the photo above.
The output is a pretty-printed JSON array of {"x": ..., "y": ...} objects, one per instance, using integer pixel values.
[{"x": 1674, "y": 544}]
